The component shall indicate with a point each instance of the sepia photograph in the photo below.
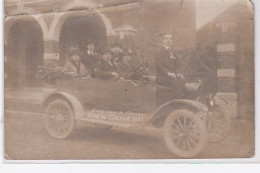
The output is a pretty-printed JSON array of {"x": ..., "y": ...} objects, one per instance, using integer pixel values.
[{"x": 128, "y": 79}]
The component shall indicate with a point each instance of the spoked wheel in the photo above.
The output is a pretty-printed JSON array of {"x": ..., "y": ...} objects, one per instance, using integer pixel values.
[
  {"x": 218, "y": 124},
  {"x": 184, "y": 133},
  {"x": 59, "y": 119}
]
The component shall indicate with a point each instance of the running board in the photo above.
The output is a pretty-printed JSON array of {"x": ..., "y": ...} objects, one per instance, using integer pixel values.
[{"x": 109, "y": 123}]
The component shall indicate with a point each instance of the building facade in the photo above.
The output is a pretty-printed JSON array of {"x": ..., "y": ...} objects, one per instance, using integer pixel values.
[
  {"x": 232, "y": 35},
  {"x": 39, "y": 32}
]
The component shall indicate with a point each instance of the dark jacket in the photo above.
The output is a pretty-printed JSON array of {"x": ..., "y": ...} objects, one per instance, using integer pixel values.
[
  {"x": 90, "y": 61},
  {"x": 104, "y": 70},
  {"x": 166, "y": 61},
  {"x": 116, "y": 57}
]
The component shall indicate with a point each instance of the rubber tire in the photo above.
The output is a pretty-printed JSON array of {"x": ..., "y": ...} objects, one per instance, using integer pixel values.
[
  {"x": 71, "y": 116},
  {"x": 203, "y": 131},
  {"x": 213, "y": 139}
]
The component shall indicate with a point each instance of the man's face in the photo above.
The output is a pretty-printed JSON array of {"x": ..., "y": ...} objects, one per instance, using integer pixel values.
[
  {"x": 116, "y": 49},
  {"x": 107, "y": 56},
  {"x": 91, "y": 47},
  {"x": 75, "y": 57},
  {"x": 167, "y": 40}
]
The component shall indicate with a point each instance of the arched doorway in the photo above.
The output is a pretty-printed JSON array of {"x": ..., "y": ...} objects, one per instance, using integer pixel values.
[
  {"x": 79, "y": 30},
  {"x": 25, "y": 51}
]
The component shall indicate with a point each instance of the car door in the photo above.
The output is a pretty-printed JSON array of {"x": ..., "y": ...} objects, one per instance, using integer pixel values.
[
  {"x": 136, "y": 96},
  {"x": 86, "y": 90},
  {"x": 107, "y": 94},
  {"x": 129, "y": 93}
]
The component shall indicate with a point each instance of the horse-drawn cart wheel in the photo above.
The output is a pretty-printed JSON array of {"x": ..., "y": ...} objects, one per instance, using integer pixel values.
[
  {"x": 59, "y": 119},
  {"x": 218, "y": 124},
  {"x": 184, "y": 133}
]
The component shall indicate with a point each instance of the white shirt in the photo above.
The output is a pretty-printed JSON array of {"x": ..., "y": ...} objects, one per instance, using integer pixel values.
[
  {"x": 90, "y": 52},
  {"x": 166, "y": 47}
]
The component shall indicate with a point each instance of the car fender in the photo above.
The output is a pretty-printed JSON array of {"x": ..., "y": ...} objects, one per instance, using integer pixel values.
[
  {"x": 195, "y": 106},
  {"x": 74, "y": 102}
]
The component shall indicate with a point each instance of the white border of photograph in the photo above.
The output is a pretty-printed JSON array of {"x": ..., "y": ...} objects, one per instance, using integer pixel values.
[{"x": 44, "y": 168}]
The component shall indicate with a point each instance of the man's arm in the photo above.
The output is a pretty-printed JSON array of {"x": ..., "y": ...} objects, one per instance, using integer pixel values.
[
  {"x": 84, "y": 72},
  {"x": 68, "y": 69},
  {"x": 159, "y": 64},
  {"x": 178, "y": 68},
  {"x": 160, "y": 67}
]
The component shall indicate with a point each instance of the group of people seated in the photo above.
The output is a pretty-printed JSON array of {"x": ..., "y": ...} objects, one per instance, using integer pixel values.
[
  {"x": 111, "y": 64},
  {"x": 116, "y": 64}
]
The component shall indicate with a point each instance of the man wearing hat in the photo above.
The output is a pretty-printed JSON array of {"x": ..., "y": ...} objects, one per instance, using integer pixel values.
[
  {"x": 90, "y": 58},
  {"x": 74, "y": 67},
  {"x": 168, "y": 68},
  {"x": 117, "y": 52},
  {"x": 105, "y": 69}
]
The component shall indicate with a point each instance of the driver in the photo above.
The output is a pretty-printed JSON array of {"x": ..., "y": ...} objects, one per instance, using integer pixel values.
[
  {"x": 105, "y": 69},
  {"x": 74, "y": 67},
  {"x": 116, "y": 52},
  {"x": 168, "y": 68}
]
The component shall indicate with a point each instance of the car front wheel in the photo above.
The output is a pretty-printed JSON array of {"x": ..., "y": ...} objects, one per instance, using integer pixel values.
[
  {"x": 184, "y": 133},
  {"x": 59, "y": 119}
]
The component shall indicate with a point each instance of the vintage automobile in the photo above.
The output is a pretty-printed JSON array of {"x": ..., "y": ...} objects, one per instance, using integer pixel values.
[{"x": 186, "y": 125}]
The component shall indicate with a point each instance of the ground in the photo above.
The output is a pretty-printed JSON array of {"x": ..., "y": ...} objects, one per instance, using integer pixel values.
[{"x": 27, "y": 139}]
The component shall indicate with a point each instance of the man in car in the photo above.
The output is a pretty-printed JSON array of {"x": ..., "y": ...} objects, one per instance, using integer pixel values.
[
  {"x": 105, "y": 69},
  {"x": 117, "y": 52},
  {"x": 168, "y": 68},
  {"x": 90, "y": 58},
  {"x": 74, "y": 67}
]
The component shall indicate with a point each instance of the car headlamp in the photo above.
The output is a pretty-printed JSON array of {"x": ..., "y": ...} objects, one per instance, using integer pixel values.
[{"x": 211, "y": 100}]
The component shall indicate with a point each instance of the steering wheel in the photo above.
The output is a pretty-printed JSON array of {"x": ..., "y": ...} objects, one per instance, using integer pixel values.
[{"x": 138, "y": 69}]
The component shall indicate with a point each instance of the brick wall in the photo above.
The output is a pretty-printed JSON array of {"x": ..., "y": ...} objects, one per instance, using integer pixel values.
[{"x": 242, "y": 59}]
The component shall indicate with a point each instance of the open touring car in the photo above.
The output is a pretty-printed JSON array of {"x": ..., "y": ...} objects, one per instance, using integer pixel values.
[{"x": 187, "y": 125}]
